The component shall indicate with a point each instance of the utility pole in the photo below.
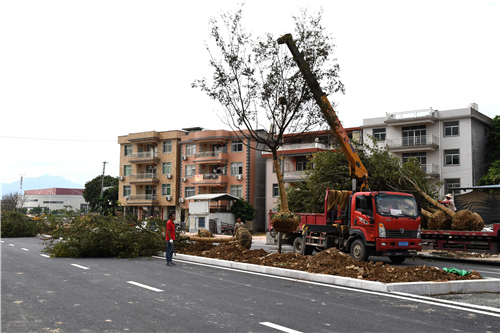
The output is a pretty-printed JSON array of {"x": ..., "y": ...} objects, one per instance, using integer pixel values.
[
  {"x": 21, "y": 183},
  {"x": 102, "y": 180}
]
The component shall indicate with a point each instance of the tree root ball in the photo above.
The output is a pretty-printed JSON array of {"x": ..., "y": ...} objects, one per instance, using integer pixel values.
[
  {"x": 479, "y": 223},
  {"x": 285, "y": 222},
  {"x": 439, "y": 221},
  {"x": 463, "y": 220},
  {"x": 204, "y": 233},
  {"x": 244, "y": 237}
]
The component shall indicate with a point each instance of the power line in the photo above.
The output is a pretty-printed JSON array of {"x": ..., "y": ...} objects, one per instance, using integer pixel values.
[{"x": 72, "y": 140}]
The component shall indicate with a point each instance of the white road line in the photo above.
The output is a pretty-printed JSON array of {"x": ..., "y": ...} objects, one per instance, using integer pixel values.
[
  {"x": 279, "y": 327},
  {"x": 447, "y": 304},
  {"x": 45, "y": 255},
  {"x": 24, "y": 249},
  {"x": 82, "y": 267},
  {"x": 144, "y": 286},
  {"x": 2, "y": 241},
  {"x": 11, "y": 244},
  {"x": 487, "y": 272}
]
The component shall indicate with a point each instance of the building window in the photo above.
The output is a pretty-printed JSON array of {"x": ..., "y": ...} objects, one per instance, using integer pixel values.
[
  {"x": 127, "y": 150},
  {"x": 276, "y": 190},
  {"x": 379, "y": 134},
  {"x": 167, "y": 167},
  {"x": 167, "y": 146},
  {"x": 127, "y": 190},
  {"x": 237, "y": 191},
  {"x": 190, "y": 170},
  {"x": 414, "y": 135},
  {"x": 236, "y": 146},
  {"x": 449, "y": 184},
  {"x": 201, "y": 222},
  {"x": 165, "y": 189},
  {"x": 127, "y": 170},
  {"x": 300, "y": 163},
  {"x": 53, "y": 202},
  {"x": 236, "y": 168},
  {"x": 451, "y": 128},
  {"x": 190, "y": 150},
  {"x": 421, "y": 157},
  {"x": 452, "y": 157},
  {"x": 189, "y": 191}
]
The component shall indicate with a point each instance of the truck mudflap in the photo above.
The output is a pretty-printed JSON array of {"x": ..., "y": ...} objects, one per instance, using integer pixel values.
[{"x": 398, "y": 245}]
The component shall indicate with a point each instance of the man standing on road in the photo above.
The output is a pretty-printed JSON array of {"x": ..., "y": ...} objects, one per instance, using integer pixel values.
[
  {"x": 170, "y": 238},
  {"x": 449, "y": 203},
  {"x": 238, "y": 224}
]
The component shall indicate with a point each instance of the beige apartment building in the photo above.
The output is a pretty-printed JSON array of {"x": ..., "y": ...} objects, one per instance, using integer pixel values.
[
  {"x": 161, "y": 171},
  {"x": 149, "y": 173}
]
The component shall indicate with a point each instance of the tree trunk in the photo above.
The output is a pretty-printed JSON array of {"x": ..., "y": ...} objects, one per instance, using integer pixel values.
[
  {"x": 426, "y": 213},
  {"x": 281, "y": 184},
  {"x": 432, "y": 201},
  {"x": 212, "y": 239}
]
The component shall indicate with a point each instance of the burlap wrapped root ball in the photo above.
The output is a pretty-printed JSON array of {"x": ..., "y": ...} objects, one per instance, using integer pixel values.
[
  {"x": 479, "y": 223},
  {"x": 204, "y": 233},
  {"x": 463, "y": 220},
  {"x": 285, "y": 222},
  {"x": 439, "y": 221},
  {"x": 244, "y": 237}
]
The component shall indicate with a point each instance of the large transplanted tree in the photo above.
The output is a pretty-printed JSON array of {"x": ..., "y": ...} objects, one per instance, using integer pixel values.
[
  {"x": 92, "y": 193},
  {"x": 259, "y": 85}
]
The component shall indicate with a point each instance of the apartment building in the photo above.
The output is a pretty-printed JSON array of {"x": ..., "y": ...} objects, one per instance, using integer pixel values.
[
  {"x": 295, "y": 152},
  {"x": 149, "y": 173},
  {"x": 450, "y": 144},
  {"x": 216, "y": 162}
]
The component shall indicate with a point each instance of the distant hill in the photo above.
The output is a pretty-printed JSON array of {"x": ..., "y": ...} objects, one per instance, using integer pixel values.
[{"x": 38, "y": 183}]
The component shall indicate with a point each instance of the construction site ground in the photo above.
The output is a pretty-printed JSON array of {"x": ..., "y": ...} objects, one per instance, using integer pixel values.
[{"x": 336, "y": 267}]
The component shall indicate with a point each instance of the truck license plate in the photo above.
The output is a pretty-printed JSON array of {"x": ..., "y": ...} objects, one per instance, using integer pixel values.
[{"x": 403, "y": 243}]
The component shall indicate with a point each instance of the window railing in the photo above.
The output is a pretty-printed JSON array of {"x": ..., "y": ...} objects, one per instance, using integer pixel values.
[
  {"x": 208, "y": 154},
  {"x": 145, "y": 154},
  {"x": 294, "y": 146},
  {"x": 411, "y": 141},
  {"x": 295, "y": 173},
  {"x": 141, "y": 197},
  {"x": 410, "y": 114},
  {"x": 140, "y": 176},
  {"x": 430, "y": 168}
]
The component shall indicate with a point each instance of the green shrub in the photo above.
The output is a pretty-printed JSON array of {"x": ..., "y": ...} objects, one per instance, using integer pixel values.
[{"x": 19, "y": 225}]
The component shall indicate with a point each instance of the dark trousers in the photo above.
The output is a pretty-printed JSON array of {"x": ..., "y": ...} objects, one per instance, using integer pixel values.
[{"x": 169, "y": 252}]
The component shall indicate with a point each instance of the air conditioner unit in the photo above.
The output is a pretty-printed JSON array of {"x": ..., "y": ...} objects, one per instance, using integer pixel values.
[
  {"x": 169, "y": 175},
  {"x": 183, "y": 179},
  {"x": 184, "y": 157},
  {"x": 238, "y": 177},
  {"x": 168, "y": 197},
  {"x": 181, "y": 200},
  {"x": 121, "y": 178}
]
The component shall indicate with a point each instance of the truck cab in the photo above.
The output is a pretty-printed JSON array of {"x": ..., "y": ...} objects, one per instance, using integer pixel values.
[{"x": 382, "y": 223}]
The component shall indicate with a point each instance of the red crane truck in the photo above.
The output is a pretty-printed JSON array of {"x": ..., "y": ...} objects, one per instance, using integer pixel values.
[{"x": 372, "y": 223}]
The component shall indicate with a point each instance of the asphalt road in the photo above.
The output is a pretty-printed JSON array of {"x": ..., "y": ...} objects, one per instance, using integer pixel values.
[{"x": 42, "y": 294}]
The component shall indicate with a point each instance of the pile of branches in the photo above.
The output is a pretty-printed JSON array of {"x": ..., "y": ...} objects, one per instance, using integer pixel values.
[
  {"x": 94, "y": 235},
  {"x": 16, "y": 224}
]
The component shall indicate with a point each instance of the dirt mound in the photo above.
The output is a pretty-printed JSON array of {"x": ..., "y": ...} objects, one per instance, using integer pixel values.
[{"x": 331, "y": 262}]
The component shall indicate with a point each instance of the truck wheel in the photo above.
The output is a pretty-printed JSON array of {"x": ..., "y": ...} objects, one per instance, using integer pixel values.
[
  {"x": 297, "y": 245},
  {"x": 397, "y": 259},
  {"x": 358, "y": 250}
]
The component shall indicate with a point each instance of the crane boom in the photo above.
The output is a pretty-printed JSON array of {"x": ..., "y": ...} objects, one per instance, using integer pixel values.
[{"x": 357, "y": 169}]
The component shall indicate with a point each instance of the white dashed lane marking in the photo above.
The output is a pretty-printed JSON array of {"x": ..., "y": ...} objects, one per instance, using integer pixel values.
[
  {"x": 82, "y": 267},
  {"x": 144, "y": 286}
]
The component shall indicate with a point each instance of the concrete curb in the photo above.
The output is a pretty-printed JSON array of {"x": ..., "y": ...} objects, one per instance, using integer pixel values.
[{"x": 416, "y": 288}]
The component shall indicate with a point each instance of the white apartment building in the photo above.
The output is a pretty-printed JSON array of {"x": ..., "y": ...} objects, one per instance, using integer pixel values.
[{"x": 450, "y": 144}]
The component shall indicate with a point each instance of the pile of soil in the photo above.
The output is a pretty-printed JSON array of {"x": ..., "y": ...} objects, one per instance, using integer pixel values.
[{"x": 330, "y": 261}]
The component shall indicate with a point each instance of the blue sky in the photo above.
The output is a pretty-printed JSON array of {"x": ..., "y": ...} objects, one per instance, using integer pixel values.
[{"x": 78, "y": 74}]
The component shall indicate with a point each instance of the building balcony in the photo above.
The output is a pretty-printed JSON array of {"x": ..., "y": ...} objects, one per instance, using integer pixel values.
[
  {"x": 210, "y": 157},
  {"x": 210, "y": 179},
  {"x": 144, "y": 157},
  {"x": 431, "y": 169},
  {"x": 426, "y": 116},
  {"x": 413, "y": 143},
  {"x": 298, "y": 148},
  {"x": 141, "y": 199},
  {"x": 294, "y": 176},
  {"x": 143, "y": 178}
]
